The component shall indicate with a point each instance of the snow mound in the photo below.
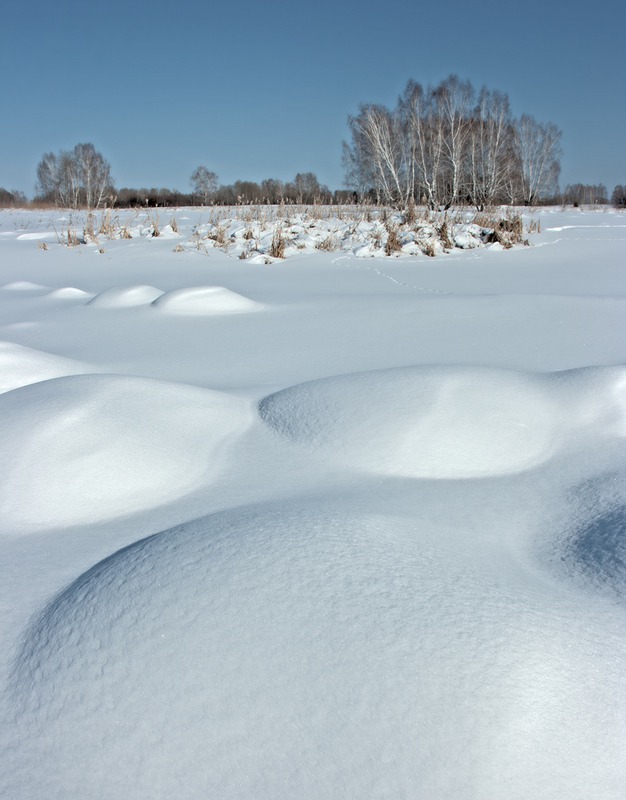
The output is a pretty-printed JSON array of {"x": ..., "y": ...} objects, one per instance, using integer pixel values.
[
  {"x": 69, "y": 293},
  {"x": 125, "y": 296},
  {"x": 24, "y": 286},
  {"x": 283, "y": 652},
  {"x": 204, "y": 300},
  {"x": 445, "y": 422},
  {"x": 34, "y": 237},
  {"x": 21, "y": 366},
  {"x": 91, "y": 447}
]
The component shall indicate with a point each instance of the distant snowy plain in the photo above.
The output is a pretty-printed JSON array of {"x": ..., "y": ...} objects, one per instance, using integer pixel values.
[{"x": 334, "y": 526}]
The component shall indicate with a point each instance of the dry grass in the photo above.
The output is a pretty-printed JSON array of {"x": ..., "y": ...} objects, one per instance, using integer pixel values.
[
  {"x": 393, "y": 243},
  {"x": 444, "y": 235},
  {"x": 218, "y": 235},
  {"x": 108, "y": 226},
  {"x": 277, "y": 248},
  {"x": 534, "y": 226},
  {"x": 89, "y": 232},
  {"x": 429, "y": 249},
  {"x": 506, "y": 230},
  {"x": 328, "y": 245},
  {"x": 156, "y": 230},
  {"x": 410, "y": 215}
]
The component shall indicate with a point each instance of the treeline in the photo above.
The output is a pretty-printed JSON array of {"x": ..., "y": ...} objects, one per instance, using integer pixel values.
[
  {"x": 448, "y": 145},
  {"x": 305, "y": 189},
  {"x": 12, "y": 199},
  {"x": 439, "y": 146},
  {"x": 81, "y": 178}
]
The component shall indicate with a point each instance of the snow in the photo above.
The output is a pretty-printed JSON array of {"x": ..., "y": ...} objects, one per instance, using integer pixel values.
[
  {"x": 204, "y": 300},
  {"x": 86, "y": 446},
  {"x": 123, "y": 296},
  {"x": 327, "y": 526}
]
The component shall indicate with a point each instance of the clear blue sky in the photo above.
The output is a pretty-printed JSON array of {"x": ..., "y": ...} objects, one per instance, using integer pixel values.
[{"x": 255, "y": 90}]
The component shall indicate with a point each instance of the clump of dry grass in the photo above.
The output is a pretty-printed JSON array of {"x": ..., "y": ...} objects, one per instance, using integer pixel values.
[
  {"x": 393, "y": 243},
  {"x": 218, "y": 235},
  {"x": 534, "y": 226},
  {"x": 444, "y": 235},
  {"x": 410, "y": 215},
  {"x": 507, "y": 230},
  {"x": 108, "y": 227},
  {"x": 328, "y": 245},
  {"x": 72, "y": 239},
  {"x": 277, "y": 248},
  {"x": 429, "y": 249},
  {"x": 174, "y": 225},
  {"x": 89, "y": 232}
]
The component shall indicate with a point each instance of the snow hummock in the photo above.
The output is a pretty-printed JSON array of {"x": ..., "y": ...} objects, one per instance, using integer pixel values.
[
  {"x": 91, "y": 447},
  {"x": 125, "y": 296},
  {"x": 446, "y": 422},
  {"x": 285, "y": 651},
  {"x": 204, "y": 300},
  {"x": 20, "y": 366}
]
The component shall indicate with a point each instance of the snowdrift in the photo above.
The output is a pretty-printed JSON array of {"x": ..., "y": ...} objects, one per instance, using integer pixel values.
[
  {"x": 204, "y": 300},
  {"x": 125, "y": 296},
  {"x": 20, "y": 366},
  {"x": 282, "y": 651},
  {"x": 91, "y": 447},
  {"x": 447, "y": 422}
]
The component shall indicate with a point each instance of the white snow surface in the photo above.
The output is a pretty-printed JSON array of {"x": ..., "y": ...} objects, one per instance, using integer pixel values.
[{"x": 367, "y": 541}]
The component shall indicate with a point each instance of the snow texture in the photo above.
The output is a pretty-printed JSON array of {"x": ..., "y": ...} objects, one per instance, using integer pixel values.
[{"x": 368, "y": 542}]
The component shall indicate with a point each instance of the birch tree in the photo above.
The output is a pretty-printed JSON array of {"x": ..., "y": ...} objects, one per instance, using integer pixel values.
[
  {"x": 204, "y": 183},
  {"x": 80, "y": 177},
  {"x": 491, "y": 148},
  {"x": 538, "y": 147}
]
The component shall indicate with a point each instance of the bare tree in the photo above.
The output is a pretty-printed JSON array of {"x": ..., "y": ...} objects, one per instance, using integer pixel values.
[
  {"x": 538, "y": 148},
  {"x": 442, "y": 146},
  {"x": 491, "y": 149},
  {"x": 580, "y": 194},
  {"x": 93, "y": 174},
  {"x": 454, "y": 100},
  {"x": 423, "y": 135},
  {"x": 204, "y": 184},
  {"x": 273, "y": 190},
  {"x": 377, "y": 152},
  {"x": 74, "y": 178}
]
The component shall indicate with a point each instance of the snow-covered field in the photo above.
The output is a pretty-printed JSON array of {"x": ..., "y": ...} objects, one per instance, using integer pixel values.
[{"x": 330, "y": 527}]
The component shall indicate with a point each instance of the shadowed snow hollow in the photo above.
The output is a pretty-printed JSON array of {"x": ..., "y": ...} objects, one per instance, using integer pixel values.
[
  {"x": 308, "y": 652},
  {"x": 204, "y": 300},
  {"x": 445, "y": 422},
  {"x": 89, "y": 447}
]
